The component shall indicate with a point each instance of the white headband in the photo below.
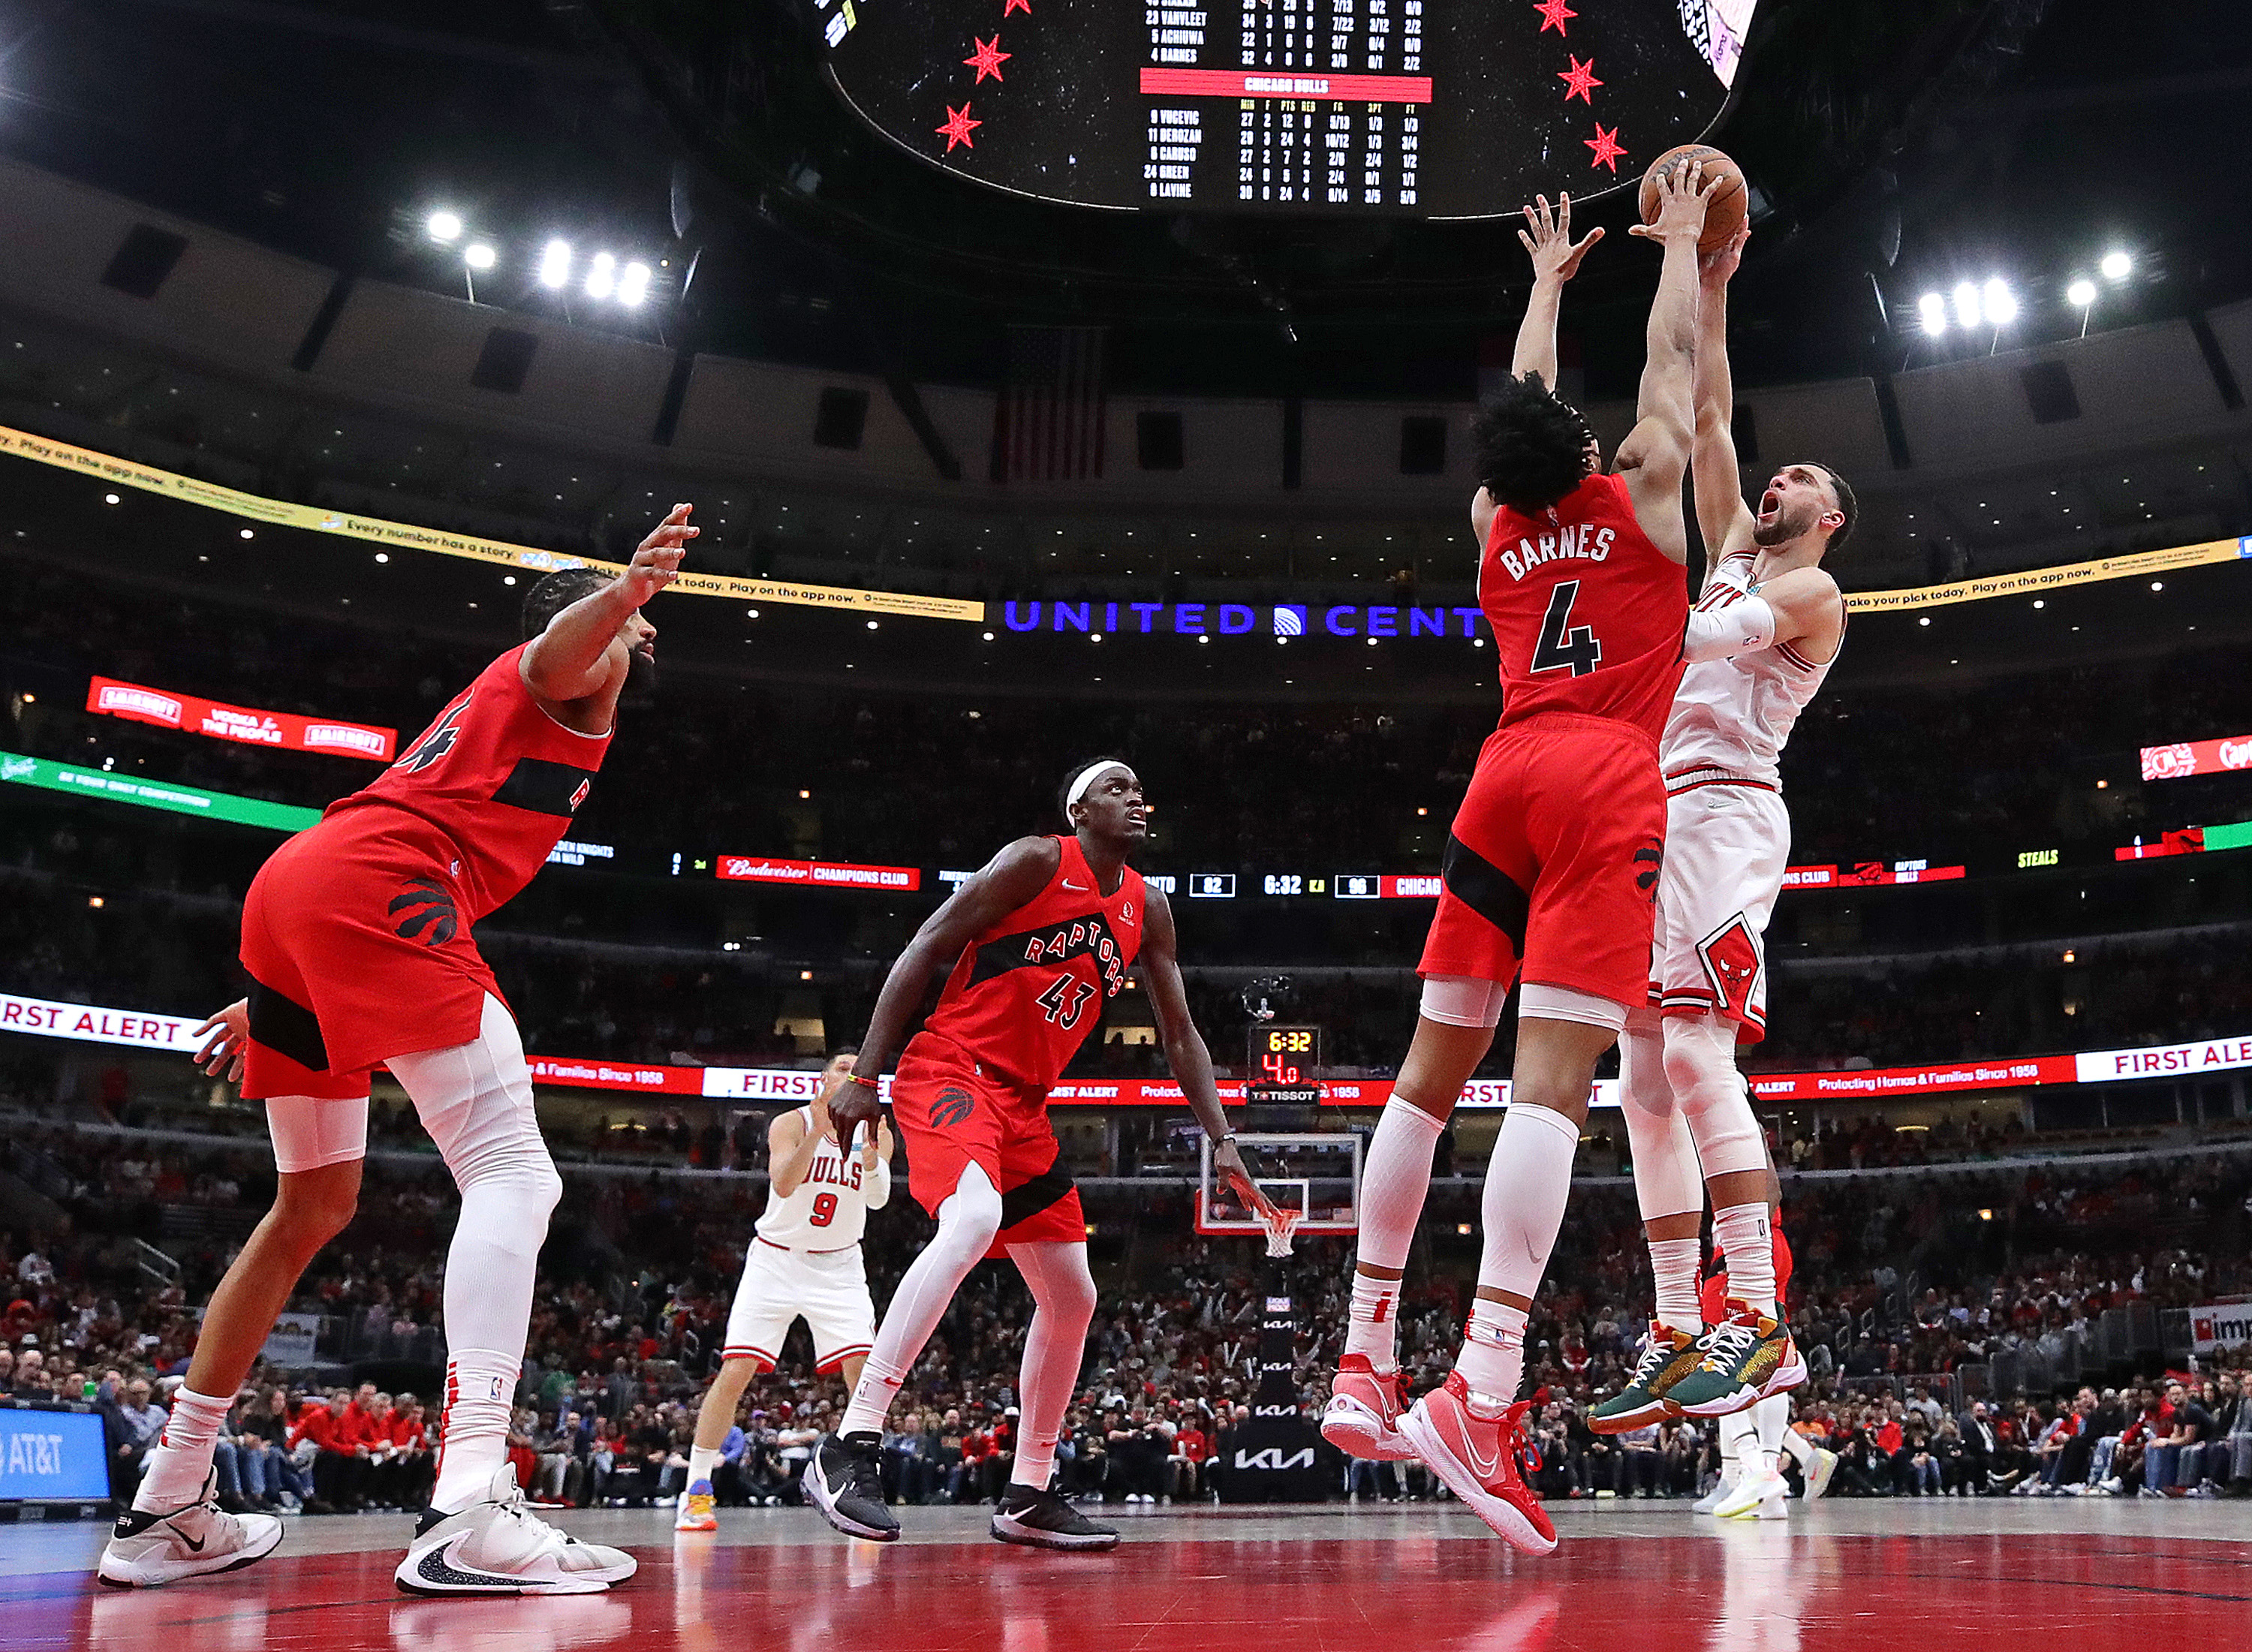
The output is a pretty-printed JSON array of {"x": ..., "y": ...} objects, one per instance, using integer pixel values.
[{"x": 1079, "y": 786}]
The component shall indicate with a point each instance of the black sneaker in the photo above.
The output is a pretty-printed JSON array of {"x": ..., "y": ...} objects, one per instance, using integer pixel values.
[
  {"x": 1042, "y": 1520},
  {"x": 846, "y": 1486}
]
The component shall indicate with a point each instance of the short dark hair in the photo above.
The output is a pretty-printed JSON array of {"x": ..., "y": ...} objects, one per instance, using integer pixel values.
[
  {"x": 1063, "y": 791},
  {"x": 553, "y": 593},
  {"x": 1530, "y": 446},
  {"x": 1848, "y": 506}
]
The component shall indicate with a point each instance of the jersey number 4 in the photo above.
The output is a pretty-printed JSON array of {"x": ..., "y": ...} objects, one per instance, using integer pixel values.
[
  {"x": 1066, "y": 997},
  {"x": 1564, "y": 646}
]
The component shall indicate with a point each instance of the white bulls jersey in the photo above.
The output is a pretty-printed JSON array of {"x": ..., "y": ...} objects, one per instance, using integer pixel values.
[
  {"x": 829, "y": 1210},
  {"x": 1735, "y": 715}
]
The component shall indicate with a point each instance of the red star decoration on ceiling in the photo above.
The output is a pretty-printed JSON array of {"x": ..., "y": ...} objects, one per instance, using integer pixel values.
[
  {"x": 1553, "y": 13},
  {"x": 989, "y": 58},
  {"x": 1009, "y": 6},
  {"x": 1606, "y": 146},
  {"x": 959, "y": 126},
  {"x": 1578, "y": 80}
]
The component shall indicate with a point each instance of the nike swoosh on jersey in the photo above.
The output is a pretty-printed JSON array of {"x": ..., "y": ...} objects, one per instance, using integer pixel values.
[{"x": 1082, "y": 888}]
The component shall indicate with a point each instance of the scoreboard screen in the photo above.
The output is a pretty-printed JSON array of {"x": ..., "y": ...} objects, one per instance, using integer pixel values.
[
  {"x": 1284, "y": 1055},
  {"x": 1424, "y": 108}
]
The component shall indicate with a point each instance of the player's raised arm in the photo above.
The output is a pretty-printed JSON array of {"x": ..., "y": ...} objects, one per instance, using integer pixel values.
[
  {"x": 1012, "y": 878},
  {"x": 1185, "y": 1054},
  {"x": 1655, "y": 456},
  {"x": 791, "y": 1147},
  {"x": 574, "y": 657},
  {"x": 1716, "y": 485}
]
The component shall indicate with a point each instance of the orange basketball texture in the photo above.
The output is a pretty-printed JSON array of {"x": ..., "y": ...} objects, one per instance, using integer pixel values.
[{"x": 1724, "y": 207}]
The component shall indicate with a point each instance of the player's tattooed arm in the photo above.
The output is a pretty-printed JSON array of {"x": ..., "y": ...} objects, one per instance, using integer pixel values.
[
  {"x": 1011, "y": 879},
  {"x": 581, "y": 653},
  {"x": 1185, "y": 1054},
  {"x": 1716, "y": 484}
]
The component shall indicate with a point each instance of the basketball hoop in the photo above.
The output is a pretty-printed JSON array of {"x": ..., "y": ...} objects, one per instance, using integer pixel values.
[{"x": 1279, "y": 1223}]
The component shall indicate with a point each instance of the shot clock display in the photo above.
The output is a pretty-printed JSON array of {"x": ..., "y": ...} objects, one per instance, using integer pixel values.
[
  {"x": 1284, "y": 1055},
  {"x": 1430, "y": 108}
]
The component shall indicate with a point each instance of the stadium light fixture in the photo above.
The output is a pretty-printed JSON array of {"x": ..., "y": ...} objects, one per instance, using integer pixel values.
[
  {"x": 633, "y": 286},
  {"x": 2117, "y": 265},
  {"x": 2080, "y": 294},
  {"x": 1933, "y": 309},
  {"x": 479, "y": 255},
  {"x": 1966, "y": 304},
  {"x": 444, "y": 225},
  {"x": 2000, "y": 303},
  {"x": 602, "y": 276},
  {"x": 555, "y": 264}
]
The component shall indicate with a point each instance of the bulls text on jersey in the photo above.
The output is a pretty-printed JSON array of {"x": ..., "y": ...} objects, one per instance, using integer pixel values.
[
  {"x": 1582, "y": 539},
  {"x": 844, "y": 1173}
]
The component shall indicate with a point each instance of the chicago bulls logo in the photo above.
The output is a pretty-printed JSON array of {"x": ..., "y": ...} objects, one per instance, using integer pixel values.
[
  {"x": 953, "y": 1107},
  {"x": 1731, "y": 955}
]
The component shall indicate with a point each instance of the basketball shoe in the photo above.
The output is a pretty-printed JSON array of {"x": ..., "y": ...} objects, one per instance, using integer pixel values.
[
  {"x": 1477, "y": 1457},
  {"x": 1713, "y": 1498},
  {"x": 1042, "y": 1520},
  {"x": 1667, "y": 1356},
  {"x": 497, "y": 1545},
  {"x": 147, "y": 1548},
  {"x": 1746, "y": 1357},
  {"x": 846, "y": 1484},
  {"x": 1362, "y": 1419},
  {"x": 696, "y": 1506},
  {"x": 1825, "y": 1464},
  {"x": 1755, "y": 1490}
]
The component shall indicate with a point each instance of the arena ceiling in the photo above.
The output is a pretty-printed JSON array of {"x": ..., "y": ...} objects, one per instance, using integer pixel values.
[{"x": 1893, "y": 144}]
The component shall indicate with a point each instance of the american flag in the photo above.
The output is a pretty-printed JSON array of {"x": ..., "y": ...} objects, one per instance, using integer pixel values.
[{"x": 1047, "y": 425}]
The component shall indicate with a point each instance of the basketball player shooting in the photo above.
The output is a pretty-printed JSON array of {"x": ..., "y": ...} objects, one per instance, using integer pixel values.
[
  {"x": 1551, "y": 865},
  {"x": 1038, "y": 940},
  {"x": 355, "y": 938},
  {"x": 1775, "y": 620},
  {"x": 804, "y": 1262}
]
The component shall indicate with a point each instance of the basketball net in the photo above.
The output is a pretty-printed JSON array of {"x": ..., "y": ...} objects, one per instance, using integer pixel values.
[{"x": 1280, "y": 1225}]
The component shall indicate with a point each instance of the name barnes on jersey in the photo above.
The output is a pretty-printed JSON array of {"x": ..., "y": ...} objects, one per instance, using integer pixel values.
[{"x": 1583, "y": 539}]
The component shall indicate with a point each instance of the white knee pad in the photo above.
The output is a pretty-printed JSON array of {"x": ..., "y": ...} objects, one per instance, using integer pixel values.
[
  {"x": 1700, "y": 1066},
  {"x": 1463, "y": 1001},
  {"x": 476, "y": 1101},
  {"x": 1668, "y": 1178},
  {"x": 1544, "y": 1003},
  {"x": 970, "y": 1216}
]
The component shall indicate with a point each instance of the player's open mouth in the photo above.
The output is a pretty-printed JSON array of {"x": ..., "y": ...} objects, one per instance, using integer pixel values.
[{"x": 1769, "y": 505}]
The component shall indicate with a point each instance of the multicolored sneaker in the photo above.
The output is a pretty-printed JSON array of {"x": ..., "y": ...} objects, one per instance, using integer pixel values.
[
  {"x": 1477, "y": 1457},
  {"x": 697, "y": 1505},
  {"x": 1745, "y": 1358},
  {"x": 1667, "y": 1356},
  {"x": 1362, "y": 1419}
]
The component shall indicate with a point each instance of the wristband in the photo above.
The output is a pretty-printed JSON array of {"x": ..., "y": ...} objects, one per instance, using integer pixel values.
[
  {"x": 872, "y": 1084},
  {"x": 1223, "y": 1140}
]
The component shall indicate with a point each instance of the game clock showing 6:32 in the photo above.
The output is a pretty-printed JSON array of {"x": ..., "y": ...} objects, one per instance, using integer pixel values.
[{"x": 1284, "y": 1055}]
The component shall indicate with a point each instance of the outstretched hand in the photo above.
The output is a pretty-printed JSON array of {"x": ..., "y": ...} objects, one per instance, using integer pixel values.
[
  {"x": 1713, "y": 268},
  {"x": 1227, "y": 1158},
  {"x": 228, "y": 1038},
  {"x": 1548, "y": 238},
  {"x": 1682, "y": 195},
  {"x": 657, "y": 560}
]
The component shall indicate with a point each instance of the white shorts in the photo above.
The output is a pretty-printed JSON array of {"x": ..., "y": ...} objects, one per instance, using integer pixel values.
[
  {"x": 1726, "y": 843},
  {"x": 828, "y": 1290}
]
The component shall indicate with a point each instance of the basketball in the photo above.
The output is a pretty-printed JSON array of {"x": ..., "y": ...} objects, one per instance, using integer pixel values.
[{"x": 1724, "y": 208}]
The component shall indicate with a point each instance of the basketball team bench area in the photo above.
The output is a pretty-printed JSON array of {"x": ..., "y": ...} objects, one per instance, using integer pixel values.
[{"x": 1941, "y": 1574}]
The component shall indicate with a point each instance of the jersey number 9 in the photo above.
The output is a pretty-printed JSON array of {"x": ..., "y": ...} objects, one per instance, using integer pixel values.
[{"x": 824, "y": 1210}]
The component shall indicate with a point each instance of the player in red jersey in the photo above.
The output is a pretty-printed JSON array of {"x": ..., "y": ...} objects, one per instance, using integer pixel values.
[
  {"x": 1551, "y": 864},
  {"x": 1038, "y": 940},
  {"x": 356, "y": 937}
]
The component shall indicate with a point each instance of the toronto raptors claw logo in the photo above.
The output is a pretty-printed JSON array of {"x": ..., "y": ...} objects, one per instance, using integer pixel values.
[
  {"x": 953, "y": 1107},
  {"x": 428, "y": 904},
  {"x": 1651, "y": 859},
  {"x": 439, "y": 741}
]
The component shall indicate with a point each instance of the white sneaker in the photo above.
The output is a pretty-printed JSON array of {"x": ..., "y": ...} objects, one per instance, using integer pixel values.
[
  {"x": 1825, "y": 1464},
  {"x": 1711, "y": 1500},
  {"x": 1776, "y": 1506},
  {"x": 1751, "y": 1491},
  {"x": 497, "y": 1545},
  {"x": 148, "y": 1549}
]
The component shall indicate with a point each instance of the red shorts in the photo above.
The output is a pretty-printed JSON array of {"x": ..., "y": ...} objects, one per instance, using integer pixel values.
[
  {"x": 1552, "y": 861},
  {"x": 357, "y": 950},
  {"x": 953, "y": 1112}
]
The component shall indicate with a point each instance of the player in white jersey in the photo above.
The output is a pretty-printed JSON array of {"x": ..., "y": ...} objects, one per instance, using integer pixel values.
[
  {"x": 1776, "y": 619},
  {"x": 804, "y": 1262}
]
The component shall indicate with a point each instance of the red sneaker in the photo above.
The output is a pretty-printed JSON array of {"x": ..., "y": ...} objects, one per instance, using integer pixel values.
[
  {"x": 1477, "y": 1457},
  {"x": 1363, "y": 1416}
]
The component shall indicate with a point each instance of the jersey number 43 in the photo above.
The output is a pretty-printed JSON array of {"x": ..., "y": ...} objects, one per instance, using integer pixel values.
[
  {"x": 1066, "y": 999},
  {"x": 1564, "y": 646}
]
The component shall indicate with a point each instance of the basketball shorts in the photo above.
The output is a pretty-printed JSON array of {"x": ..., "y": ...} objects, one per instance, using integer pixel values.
[
  {"x": 952, "y": 1111},
  {"x": 1552, "y": 864},
  {"x": 827, "y": 1289},
  {"x": 1727, "y": 841},
  {"x": 357, "y": 950}
]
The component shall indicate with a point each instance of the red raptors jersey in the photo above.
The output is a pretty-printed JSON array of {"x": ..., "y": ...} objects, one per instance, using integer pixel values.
[
  {"x": 1024, "y": 994},
  {"x": 1713, "y": 1296},
  {"x": 498, "y": 776},
  {"x": 1587, "y": 613}
]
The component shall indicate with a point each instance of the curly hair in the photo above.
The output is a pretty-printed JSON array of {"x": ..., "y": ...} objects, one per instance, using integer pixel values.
[{"x": 1531, "y": 448}]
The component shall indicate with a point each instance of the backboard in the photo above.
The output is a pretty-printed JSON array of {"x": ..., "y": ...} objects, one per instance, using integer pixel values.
[{"x": 1317, "y": 1173}]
